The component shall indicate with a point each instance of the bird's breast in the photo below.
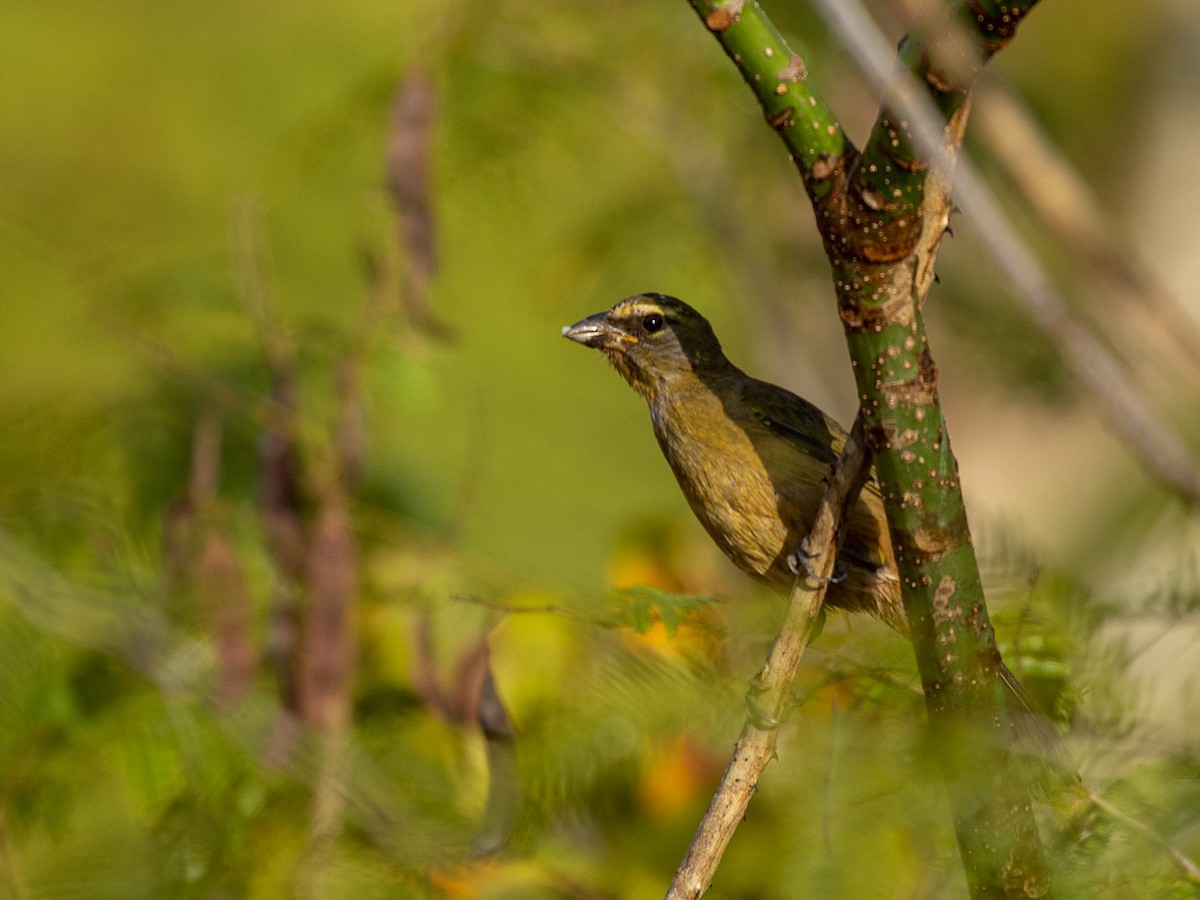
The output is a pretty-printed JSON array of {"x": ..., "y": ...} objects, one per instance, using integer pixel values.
[{"x": 725, "y": 480}]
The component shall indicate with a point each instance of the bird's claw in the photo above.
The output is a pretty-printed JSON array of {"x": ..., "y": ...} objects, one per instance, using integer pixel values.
[{"x": 799, "y": 561}]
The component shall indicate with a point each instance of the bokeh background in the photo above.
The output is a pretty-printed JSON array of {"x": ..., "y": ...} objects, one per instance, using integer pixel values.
[{"x": 215, "y": 254}]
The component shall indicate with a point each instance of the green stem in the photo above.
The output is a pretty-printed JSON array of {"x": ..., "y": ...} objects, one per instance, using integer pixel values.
[
  {"x": 779, "y": 79},
  {"x": 881, "y": 219},
  {"x": 945, "y": 53}
]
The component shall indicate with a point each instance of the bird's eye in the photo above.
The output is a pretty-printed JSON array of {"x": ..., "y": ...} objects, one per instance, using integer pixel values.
[{"x": 653, "y": 322}]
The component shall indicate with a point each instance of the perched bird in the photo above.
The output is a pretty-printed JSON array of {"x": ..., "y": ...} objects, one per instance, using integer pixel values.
[{"x": 750, "y": 457}]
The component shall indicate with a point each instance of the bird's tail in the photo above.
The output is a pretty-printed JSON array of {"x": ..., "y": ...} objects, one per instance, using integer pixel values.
[{"x": 1035, "y": 736}]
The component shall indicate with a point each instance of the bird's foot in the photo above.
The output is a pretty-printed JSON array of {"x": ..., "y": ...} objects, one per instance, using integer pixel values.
[{"x": 799, "y": 561}]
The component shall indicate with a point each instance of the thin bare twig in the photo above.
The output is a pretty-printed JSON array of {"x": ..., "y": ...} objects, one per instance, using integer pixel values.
[
  {"x": 1051, "y": 186},
  {"x": 1159, "y": 448},
  {"x": 1186, "y": 865},
  {"x": 770, "y": 690}
]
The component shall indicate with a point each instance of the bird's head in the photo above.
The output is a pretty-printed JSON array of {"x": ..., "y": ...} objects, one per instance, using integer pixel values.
[{"x": 649, "y": 338}]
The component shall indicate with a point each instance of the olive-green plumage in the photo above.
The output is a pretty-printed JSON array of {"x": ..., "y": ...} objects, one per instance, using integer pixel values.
[{"x": 749, "y": 456}]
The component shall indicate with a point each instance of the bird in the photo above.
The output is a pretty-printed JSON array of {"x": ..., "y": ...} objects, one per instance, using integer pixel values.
[{"x": 751, "y": 458}]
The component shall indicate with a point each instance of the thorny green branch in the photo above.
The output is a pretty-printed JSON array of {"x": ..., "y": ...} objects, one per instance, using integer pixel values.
[
  {"x": 872, "y": 212},
  {"x": 779, "y": 79}
]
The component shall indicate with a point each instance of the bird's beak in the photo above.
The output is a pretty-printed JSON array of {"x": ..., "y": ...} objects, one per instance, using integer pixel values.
[{"x": 596, "y": 331}]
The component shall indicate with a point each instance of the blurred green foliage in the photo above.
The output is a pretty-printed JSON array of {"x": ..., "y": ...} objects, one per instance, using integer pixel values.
[{"x": 171, "y": 170}]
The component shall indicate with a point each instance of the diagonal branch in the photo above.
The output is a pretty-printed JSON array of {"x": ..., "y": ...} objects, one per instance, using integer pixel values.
[
  {"x": 1186, "y": 865},
  {"x": 770, "y": 694},
  {"x": 1159, "y": 448},
  {"x": 880, "y": 231},
  {"x": 779, "y": 79},
  {"x": 1051, "y": 186}
]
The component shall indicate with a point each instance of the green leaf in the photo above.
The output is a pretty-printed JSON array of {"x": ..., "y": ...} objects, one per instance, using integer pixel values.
[{"x": 646, "y": 605}]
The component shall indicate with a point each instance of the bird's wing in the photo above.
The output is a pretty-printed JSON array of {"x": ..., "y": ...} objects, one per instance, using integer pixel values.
[{"x": 794, "y": 418}]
